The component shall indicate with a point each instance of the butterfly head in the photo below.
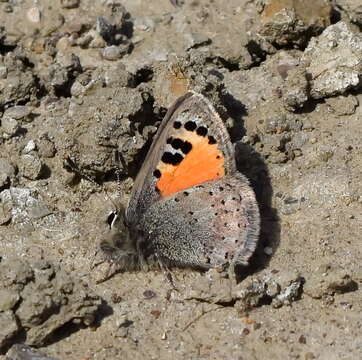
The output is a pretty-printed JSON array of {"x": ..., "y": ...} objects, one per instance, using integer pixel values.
[{"x": 117, "y": 242}]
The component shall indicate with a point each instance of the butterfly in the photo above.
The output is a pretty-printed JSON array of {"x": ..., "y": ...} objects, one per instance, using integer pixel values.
[{"x": 189, "y": 206}]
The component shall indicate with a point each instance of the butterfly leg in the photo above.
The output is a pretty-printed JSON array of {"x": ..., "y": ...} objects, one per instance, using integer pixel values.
[{"x": 166, "y": 271}]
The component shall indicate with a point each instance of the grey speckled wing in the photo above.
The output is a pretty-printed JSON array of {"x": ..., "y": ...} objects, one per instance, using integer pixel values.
[{"x": 211, "y": 224}]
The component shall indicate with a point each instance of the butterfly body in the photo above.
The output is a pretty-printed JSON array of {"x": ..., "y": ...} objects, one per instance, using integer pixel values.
[{"x": 189, "y": 206}]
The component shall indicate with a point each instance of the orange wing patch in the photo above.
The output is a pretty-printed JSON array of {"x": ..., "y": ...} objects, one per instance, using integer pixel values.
[{"x": 204, "y": 162}]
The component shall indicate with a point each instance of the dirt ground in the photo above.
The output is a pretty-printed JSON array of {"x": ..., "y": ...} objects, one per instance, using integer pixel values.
[{"x": 82, "y": 79}]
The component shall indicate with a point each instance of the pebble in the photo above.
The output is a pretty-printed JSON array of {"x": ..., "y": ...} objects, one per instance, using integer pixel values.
[
  {"x": 7, "y": 172},
  {"x": 33, "y": 15},
  {"x": 113, "y": 52},
  {"x": 196, "y": 40},
  {"x": 9, "y": 327},
  {"x": 29, "y": 147},
  {"x": 18, "y": 112},
  {"x": 30, "y": 166},
  {"x": 8, "y": 299},
  {"x": 10, "y": 126},
  {"x": 334, "y": 60},
  {"x": 25, "y": 352},
  {"x": 343, "y": 105},
  {"x": 69, "y": 4},
  {"x": 46, "y": 148},
  {"x": 6, "y": 207},
  {"x": 3, "y": 72}
]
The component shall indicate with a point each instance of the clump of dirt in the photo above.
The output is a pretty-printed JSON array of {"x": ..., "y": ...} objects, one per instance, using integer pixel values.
[{"x": 81, "y": 81}]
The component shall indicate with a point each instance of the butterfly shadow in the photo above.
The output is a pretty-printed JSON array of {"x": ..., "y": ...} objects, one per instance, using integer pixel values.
[{"x": 253, "y": 166}]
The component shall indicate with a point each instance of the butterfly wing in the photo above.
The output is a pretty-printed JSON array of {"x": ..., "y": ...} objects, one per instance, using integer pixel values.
[
  {"x": 191, "y": 146},
  {"x": 214, "y": 223}
]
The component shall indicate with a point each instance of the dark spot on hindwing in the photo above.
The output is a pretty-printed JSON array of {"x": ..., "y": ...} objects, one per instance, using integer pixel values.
[
  {"x": 169, "y": 140},
  {"x": 190, "y": 126},
  {"x": 212, "y": 140},
  {"x": 201, "y": 131},
  {"x": 182, "y": 145},
  {"x": 177, "y": 124},
  {"x": 172, "y": 159},
  {"x": 157, "y": 173}
]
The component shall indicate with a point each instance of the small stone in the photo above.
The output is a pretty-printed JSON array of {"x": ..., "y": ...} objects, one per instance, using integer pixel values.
[
  {"x": 123, "y": 328},
  {"x": 29, "y": 147},
  {"x": 324, "y": 286},
  {"x": 116, "y": 298},
  {"x": 8, "y": 8},
  {"x": 295, "y": 89},
  {"x": 33, "y": 15},
  {"x": 18, "y": 112},
  {"x": 118, "y": 76},
  {"x": 256, "y": 326},
  {"x": 292, "y": 22},
  {"x": 268, "y": 251},
  {"x": 302, "y": 339},
  {"x": 197, "y": 40},
  {"x": 3, "y": 72},
  {"x": 333, "y": 61},
  {"x": 46, "y": 148},
  {"x": 8, "y": 328},
  {"x": 289, "y": 294},
  {"x": 6, "y": 206},
  {"x": 25, "y": 352},
  {"x": 69, "y": 4},
  {"x": 7, "y": 172},
  {"x": 309, "y": 356},
  {"x": 31, "y": 166},
  {"x": 114, "y": 52},
  {"x": 9, "y": 126},
  {"x": 156, "y": 313},
  {"x": 149, "y": 294},
  {"x": 63, "y": 44},
  {"x": 343, "y": 105},
  {"x": 8, "y": 299}
]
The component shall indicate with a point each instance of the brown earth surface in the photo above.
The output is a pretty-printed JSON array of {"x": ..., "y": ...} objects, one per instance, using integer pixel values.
[{"x": 80, "y": 79}]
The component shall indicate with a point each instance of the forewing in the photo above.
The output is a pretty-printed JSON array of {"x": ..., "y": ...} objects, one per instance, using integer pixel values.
[{"x": 191, "y": 146}]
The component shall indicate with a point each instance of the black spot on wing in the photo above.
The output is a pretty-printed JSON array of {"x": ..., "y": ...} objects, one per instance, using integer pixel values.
[
  {"x": 157, "y": 173},
  {"x": 172, "y": 159},
  {"x": 184, "y": 146},
  {"x": 212, "y": 140},
  {"x": 201, "y": 131},
  {"x": 190, "y": 126},
  {"x": 177, "y": 124}
]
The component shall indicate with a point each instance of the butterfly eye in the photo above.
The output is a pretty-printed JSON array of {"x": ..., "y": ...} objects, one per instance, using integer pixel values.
[{"x": 112, "y": 217}]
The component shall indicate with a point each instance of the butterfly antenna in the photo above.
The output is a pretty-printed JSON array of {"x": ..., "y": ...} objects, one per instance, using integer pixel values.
[{"x": 121, "y": 164}]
